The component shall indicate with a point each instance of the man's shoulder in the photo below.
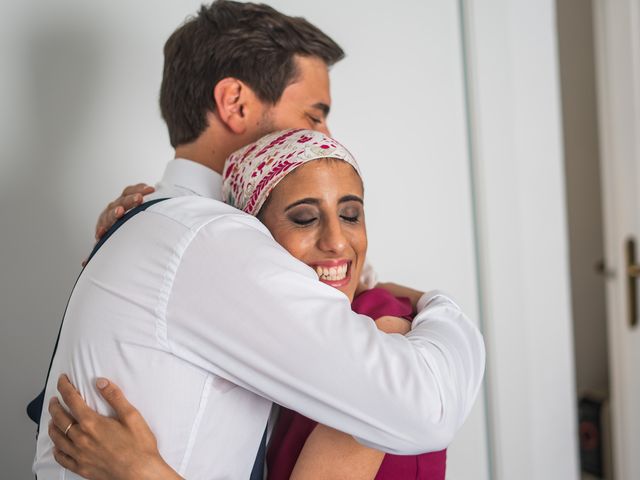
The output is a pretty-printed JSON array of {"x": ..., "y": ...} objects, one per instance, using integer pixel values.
[{"x": 195, "y": 213}]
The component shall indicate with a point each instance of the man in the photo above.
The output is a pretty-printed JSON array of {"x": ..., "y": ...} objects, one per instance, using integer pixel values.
[{"x": 205, "y": 321}]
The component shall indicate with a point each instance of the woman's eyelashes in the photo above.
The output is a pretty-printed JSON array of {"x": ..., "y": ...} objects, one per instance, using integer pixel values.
[
  {"x": 303, "y": 222},
  {"x": 306, "y": 218},
  {"x": 351, "y": 214},
  {"x": 353, "y": 219},
  {"x": 302, "y": 217}
]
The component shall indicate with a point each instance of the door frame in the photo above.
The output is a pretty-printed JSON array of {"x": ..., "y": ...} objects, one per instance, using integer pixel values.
[{"x": 617, "y": 41}]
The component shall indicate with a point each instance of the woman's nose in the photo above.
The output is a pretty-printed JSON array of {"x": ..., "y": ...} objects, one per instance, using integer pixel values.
[{"x": 332, "y": 238}]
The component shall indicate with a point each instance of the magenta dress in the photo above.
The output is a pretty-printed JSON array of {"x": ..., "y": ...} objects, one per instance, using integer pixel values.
[{"x": 292, "y": 429}]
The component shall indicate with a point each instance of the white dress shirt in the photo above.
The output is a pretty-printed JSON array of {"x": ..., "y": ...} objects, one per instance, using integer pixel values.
[{"x": 204, "y": 321}]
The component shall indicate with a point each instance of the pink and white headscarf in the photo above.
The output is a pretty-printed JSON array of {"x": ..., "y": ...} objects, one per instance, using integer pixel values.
[{"x": 252, "y": 172}]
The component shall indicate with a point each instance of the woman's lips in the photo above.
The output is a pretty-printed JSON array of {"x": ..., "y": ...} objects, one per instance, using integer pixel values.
[{"x": 335, "y": 273}]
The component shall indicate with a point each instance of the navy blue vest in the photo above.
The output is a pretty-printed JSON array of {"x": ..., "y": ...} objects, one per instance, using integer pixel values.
[{"x": 34, "y": 409}]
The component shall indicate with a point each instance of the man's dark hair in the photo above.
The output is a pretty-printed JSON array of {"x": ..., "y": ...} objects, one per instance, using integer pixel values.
[{"x": 251, "y": 42}]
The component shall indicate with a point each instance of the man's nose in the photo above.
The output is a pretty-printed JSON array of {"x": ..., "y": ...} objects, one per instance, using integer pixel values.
[{"x": 324, "y": 128}]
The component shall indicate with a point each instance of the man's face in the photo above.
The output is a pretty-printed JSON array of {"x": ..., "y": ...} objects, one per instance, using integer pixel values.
[{"x": 304, "y": 103}]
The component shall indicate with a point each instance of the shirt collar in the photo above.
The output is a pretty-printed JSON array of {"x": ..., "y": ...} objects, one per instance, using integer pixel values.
[{"x": 194, "y": 177}]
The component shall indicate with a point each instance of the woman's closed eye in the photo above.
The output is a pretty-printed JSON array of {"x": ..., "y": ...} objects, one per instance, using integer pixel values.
[
  {"x": 351, "y": 214},
  {"x": 353, "y": 219},
  {"x": 302, "y": 218},
  {"x": 303, "y": 222}
]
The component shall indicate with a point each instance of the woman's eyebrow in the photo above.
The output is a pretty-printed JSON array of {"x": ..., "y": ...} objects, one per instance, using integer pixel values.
[
  {"x": 303, "y": 201},
  {"x": 351, "y": 198},
  {"x": 315, "y": 201}
]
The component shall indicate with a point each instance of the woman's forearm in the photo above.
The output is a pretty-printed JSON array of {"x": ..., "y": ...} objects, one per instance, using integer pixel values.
[{"x": 157, "y": 469}]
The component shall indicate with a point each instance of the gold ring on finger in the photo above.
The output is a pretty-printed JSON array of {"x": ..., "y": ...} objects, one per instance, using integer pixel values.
[{"x": 66, "y": 430}]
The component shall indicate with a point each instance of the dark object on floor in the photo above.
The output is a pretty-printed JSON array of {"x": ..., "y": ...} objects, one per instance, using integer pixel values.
[{"x": 591, "y": 416}]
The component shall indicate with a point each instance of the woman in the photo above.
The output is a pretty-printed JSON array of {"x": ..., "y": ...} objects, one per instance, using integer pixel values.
[{"x": 307, "y": 190}]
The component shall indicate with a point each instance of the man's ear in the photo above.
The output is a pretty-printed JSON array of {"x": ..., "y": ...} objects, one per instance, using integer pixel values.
[{"x": 235, "y": 103}]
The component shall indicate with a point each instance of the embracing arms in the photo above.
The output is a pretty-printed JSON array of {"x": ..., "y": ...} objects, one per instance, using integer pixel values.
[
  {"x": 297, "y": 343},
  {"x": 121, "y": 448},
  {"x": 329, "y": 453},
  {"x": 237, "y": 287},
  {"x": 430, "y": 377}
]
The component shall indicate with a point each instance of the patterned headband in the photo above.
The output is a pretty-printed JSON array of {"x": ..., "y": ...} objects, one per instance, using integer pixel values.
[{"x": 253, "y": 171}]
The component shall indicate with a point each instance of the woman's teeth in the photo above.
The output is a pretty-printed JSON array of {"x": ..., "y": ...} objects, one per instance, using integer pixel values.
[{"x": 332, "y": 273}]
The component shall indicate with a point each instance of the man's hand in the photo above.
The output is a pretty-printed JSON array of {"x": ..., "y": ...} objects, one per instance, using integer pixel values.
[
  {"x": 131, "y": 197},
  {"x": 103, "y": 448}
]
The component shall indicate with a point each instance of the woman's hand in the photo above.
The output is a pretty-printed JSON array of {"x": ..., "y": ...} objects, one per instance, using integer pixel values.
[
  {"x": 103, "y": 448},
  {"x": 131, "y": 197},
  {"x": 391, "y": 324}
]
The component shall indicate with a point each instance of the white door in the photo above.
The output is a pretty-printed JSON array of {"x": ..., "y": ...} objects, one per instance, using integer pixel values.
[{"x": 618, "y": 46}]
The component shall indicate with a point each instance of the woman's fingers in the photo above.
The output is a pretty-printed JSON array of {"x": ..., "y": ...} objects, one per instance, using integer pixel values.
[
  {"x": 59, "y": 416},
  {"x": 131, "y": 197},
  {"x": 114, "y": 397},
  {"x": 131, "y": 201},
  {"x": 62, "y": 441},
  {"x": 79, "y": 409},
  {"x": 116, "y": 214},
  {"x": 141, "y": 188},
  {"x": 100, "y": 447},
  {"x": 65, "y": 460}
]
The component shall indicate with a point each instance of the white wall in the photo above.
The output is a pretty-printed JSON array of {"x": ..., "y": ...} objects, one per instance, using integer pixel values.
[
  {"x": 79, "y": 120},
  {"x": 519, "y": 180}
]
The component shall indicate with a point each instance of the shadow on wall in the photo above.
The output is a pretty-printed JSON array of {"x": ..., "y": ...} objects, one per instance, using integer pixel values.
[{"x": 39, "y": 258}]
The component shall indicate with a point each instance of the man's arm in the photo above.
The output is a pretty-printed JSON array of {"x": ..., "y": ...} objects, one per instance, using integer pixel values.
[
  {"x": 123, "y": 447},
  {"x": 242, "y": 308},
  {"x": 133, "y": 196},
  {"x": 329, "y": 454}
]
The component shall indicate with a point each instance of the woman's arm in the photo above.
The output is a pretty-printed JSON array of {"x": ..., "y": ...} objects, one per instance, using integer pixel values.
[
  {"x": 104, "y": 448},
  {"x": 330, "y": 454},
  {"x": 391, "y": 324}
]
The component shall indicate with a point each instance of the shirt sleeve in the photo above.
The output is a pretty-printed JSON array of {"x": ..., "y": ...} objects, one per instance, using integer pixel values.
[{"x": 243, "y": 308}]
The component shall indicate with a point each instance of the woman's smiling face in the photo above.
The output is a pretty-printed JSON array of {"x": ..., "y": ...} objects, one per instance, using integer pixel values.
[{"x": 316, "y": 212}]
